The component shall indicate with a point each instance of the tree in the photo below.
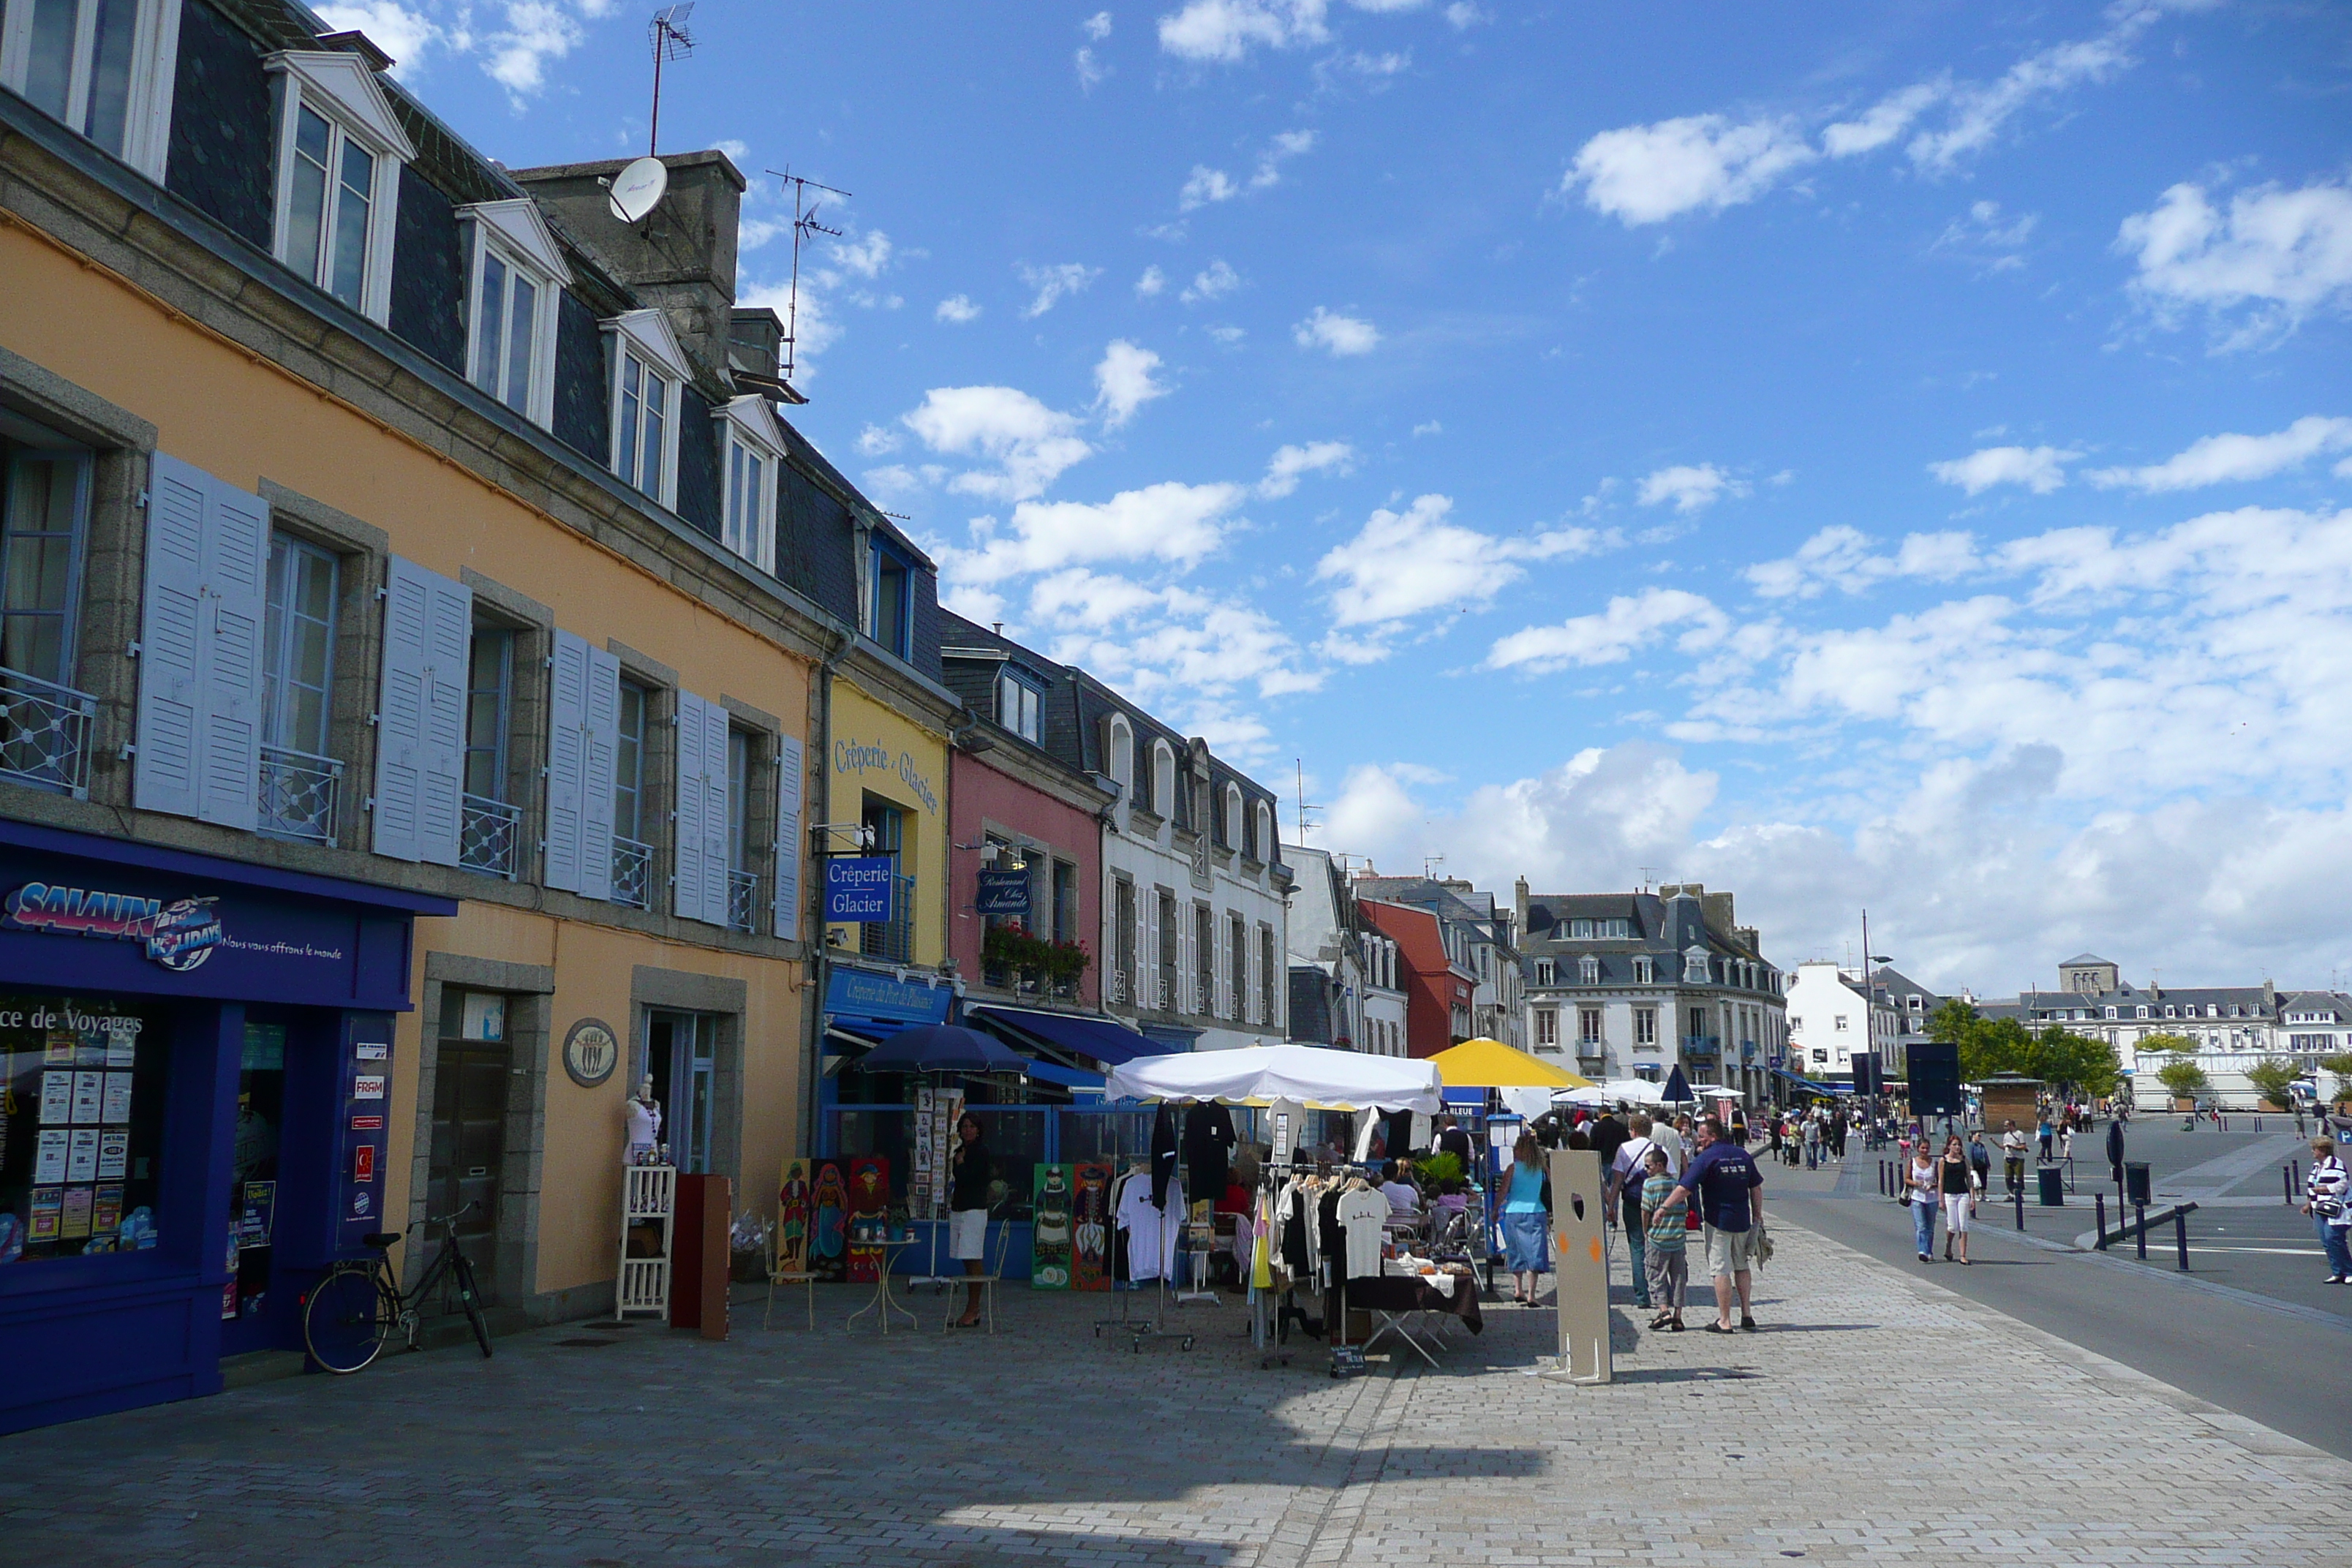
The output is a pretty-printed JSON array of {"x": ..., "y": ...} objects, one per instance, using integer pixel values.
[
  {"x": 1952, "y": 1023},
  {"x": 2180, "y": 1044},
  {"x": 2271, "y": 1075},
  {"x": 2340, "y": 1064},
  {"x": 2073, "y": 1061},
  {"x": 2184, "y": 1079}
]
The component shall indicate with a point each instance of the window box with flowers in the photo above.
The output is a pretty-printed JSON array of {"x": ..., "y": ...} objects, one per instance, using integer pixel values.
[{"x": 1012, "y": 957}]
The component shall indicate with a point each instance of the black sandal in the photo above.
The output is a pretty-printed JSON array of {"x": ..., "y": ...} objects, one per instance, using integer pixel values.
[{"x": 1720, "y": 1329}]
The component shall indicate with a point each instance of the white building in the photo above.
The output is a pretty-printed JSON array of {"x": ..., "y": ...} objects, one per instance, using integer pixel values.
[
  {"x": 1830, "y": 1021},
  {"x": 1481, "y": 938}
]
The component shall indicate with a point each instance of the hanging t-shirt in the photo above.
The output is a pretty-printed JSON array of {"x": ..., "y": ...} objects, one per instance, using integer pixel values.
[
  {"x": 1360, "y": 1213},
  {"x": 1150, "y": 1233}
]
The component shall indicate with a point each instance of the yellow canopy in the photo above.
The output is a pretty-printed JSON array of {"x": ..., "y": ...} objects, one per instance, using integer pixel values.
[{"x": 1490, "y": 1064}]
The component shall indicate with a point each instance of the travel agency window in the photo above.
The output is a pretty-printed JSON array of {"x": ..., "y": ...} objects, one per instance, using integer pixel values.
[
  {"x": 46, "y": 733},
  {"x": 890, "y": 613},
  {"x": 82, "y": 1086},
  {"x": 514, "y": 279},
  {"x": 648, "y": 367},
  {"x": 339, "y": 153},
  {"x": 753, "y": 446},
  {"x": 1018, "y": 704},
  {"x": 299, "y": 781},
  {"x": 105, "y": 67}
]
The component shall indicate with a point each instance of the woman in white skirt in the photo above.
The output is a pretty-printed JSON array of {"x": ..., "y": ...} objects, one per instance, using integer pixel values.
[
  {"x": 968, "y": 1185},
  {"x": 1960, "y": 1189}
]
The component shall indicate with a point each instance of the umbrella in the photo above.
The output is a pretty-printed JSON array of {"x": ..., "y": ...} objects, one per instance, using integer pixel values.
[
  {"x": 1633, "y": 1090},
  {"x": 1591, "y": 1094},
  {"x": 1720, "y": 1092},
  {"x": 1314, "y": 1075},
  {"x": 1677, "y": 1088},
  {"x": 943, "y": 1048},
  {"x": 1490, "y": 1064}
]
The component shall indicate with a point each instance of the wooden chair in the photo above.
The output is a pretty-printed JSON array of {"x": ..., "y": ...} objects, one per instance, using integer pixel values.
[
  {"x": 991, "y": 1274},
  {"x": 776, "y": 1276}
]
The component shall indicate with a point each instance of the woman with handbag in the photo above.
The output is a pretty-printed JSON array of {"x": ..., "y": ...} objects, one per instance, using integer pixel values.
[
  {"x": 2327, "y": 1199},
  {"x": 1920, "y": 1185},
  {"x": 1958, "y": 1189}
]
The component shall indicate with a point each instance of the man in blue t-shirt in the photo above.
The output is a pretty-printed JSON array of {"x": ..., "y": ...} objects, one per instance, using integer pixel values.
[{"x": 1730, "y": 1192}]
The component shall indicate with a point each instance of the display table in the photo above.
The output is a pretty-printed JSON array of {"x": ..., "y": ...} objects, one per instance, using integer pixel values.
[
  {"x": 1393, "y": 1298},
  {"x": 883, "y": 1301}
]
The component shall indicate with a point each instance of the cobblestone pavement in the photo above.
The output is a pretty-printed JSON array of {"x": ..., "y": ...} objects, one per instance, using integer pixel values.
[{"x": 1876, "y": 1419}]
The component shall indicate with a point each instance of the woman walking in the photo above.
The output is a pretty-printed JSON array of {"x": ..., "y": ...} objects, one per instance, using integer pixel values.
[
  {"x": 970, "y": 1172},
  {"x": 1958, "y": 1187},
  {"x": 2327, "y": 1199},
  {"x": 1526, "y": 1217},
  {"x": 1920, "y": 1186}
]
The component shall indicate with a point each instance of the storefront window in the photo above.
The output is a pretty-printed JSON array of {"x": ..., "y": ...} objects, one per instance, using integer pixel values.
[
  {"x": 253, "y": 1169},
  {"x": 82, "y": 1083}
]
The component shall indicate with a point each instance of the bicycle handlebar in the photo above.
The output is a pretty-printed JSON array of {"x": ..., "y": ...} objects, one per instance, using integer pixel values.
[{"x": 453, "y": 1215}]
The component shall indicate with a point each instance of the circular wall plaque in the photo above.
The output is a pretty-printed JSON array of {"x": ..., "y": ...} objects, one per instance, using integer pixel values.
[{"x": 591, "y": 1052}]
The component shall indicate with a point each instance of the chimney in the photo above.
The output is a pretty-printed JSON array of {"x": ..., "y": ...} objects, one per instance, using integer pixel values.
[
  {"x": 1718, "y": 909},
  {"x": 1520, "y": 906},
  {"x": 755, "y": 341},
  {"x": 681, "y": 258}
]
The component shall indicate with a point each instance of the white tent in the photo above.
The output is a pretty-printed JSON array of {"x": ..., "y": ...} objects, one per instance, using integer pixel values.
[
  {"x": 1632, "y": 1090},
  {"x": 1591, "y": 1094},
  {"x": 1718, "y": 1091},
  {"x": 1314, "y": 1075}
]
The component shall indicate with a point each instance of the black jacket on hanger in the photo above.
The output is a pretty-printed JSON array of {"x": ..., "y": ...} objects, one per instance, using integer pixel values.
[
  {"x": 1163, "y": 1156},
  {"x": 1209, "y": 1140}
]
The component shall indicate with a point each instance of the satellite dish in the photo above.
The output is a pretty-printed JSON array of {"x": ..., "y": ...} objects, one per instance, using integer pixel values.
[{"x": 638, "y": 188}]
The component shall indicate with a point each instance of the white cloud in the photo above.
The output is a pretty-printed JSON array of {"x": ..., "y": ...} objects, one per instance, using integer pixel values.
[
  {"x": 1378, "y": 69},
  {"x": 1206, "y": 185},
  {"x": 1091, "y": 71},
  {"x": 1123, "y": 381},
  {"x": 2279, "y": 254},
  {"x": 874, "y": 441},
  {"x": 1341, "y": 336},
  {"x": 1387, "y": 5},
  {"x": 1401, "y": 565},
  {"x": 1176, "y": 524},
  {"x": 1097, "y": 26},
  {"x": 1286, "y": 145},
  {"x": 1989, "y": 236},
  {"x": 1842, "y": 557},
  {"x": 2224, "y": 459},
  {"x": 1461, "y": 15},
  {"x": 1429, "y": 428},
  {"x": 1648, "y": 174},
  {"x": 407, "y": 36},
  {"x": 1226, "y": 31},
  {"x": 1883, "y": 121},
  {"x": 1611, "y": 636},
  {"x": 1031, "y": 444},
  {"x": 1227, "y": 336},
  {"x": 865, "y": 255},
  {"x": 1152, "y": 281},
  {"x": 1282, "y": 474},
  {"x": 2040, "y": 470},
  {"x": 1980, "y": 110},
  {"x": 1214, "y": 282},
  {"x": 957, "y": 309},
  {"x": 1691, "y": 488},
  {"x": 536, "y": 33},
  {"x": 1053, "y": 283}
]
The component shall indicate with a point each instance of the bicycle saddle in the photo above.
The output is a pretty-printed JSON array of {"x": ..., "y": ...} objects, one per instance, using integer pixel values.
[{"x": 380, "y": 1238}]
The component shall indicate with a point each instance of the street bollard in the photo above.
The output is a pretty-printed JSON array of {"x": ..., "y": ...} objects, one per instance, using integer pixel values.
[
  {"x": 2142, "y": 1221},
  {"x": 2099, "y": 1207},
  {"x": 2181, "y": 1238},
  {"x": 2286, "y": 1181},
  {"x": 2019, "y": 1194}
]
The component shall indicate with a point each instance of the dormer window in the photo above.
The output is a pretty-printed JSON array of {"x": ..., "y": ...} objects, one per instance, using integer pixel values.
[
  {"x": 105, "y": 67},
  {"x": 1121, "y": 757},
  {"x": 338, "y": 155},
  {"x": 752, "y": 446},
  {"x": 889, "y": 609},
  {"x": 1017, "y": 705},
  {"x": 1645, "y": 971},
  {"x": 1587, "y": 970},
  {"x": 1546, "y": 971},
  {"x": 648, "y": 367},
  {"x": 514, "y": 275},
  {"x": 1232, "y": 816},
  {"x": 1163, "y": 779},
  {"x": 1263, "y": 849}
]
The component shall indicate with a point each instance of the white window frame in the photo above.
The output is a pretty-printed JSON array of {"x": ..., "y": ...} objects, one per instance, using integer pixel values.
[
  {"x": 1119, "y": 753},
  {"x": 1234, "y": 817},
  {"x": 1023, "y": 692},
  {"x": 515, "y": 232},
  {"x": 154, "y": 62},
  {"x": 747, "y": 424},
  {"x": 341, "y": 90},
  {"x": 647, "y": 335}
]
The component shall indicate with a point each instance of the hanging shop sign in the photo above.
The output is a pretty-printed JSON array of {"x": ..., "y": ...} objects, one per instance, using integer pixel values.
[
  {"x": 591, "y": 1052},
  {"x": 1002, "y": 893},
  {"x": 858, "y": 889}
]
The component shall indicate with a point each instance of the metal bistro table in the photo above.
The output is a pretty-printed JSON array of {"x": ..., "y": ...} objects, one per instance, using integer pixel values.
[{"x": 889, "y": 1247}]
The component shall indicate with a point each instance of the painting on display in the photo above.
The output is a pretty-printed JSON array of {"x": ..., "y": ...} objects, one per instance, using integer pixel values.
[
  {"x": 829, "y": 1219},
  {"x": 1049, "y": 1236},
  {"x": 793, "y": 1211},
  {"x": 869, "y": 1210},
  {"x": 1090, "y": 1230}
]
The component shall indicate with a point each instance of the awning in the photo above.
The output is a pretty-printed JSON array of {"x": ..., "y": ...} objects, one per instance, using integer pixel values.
[
  {"x": 1068, "y": 1077},
  {"x": 1099, "y": 1039},
  {"x": 1465, "y": 1096},
  {"x": 845, "y": 1035},
  {"x": 1491, "y": 1064},
  {"x": 1808, "y": 1084}
]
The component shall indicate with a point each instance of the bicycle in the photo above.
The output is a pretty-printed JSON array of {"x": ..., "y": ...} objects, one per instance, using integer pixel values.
[{"x": 349, "y": 1314}]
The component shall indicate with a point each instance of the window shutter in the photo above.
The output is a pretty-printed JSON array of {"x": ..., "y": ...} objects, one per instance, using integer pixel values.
[
  {"x": 567, "y": 743},
  {"x": 165, "y": 777},
  {"x": 200, "y": 642},
  {"x": 421, "y": 714},
  {"x": 715, "y": 785},
  {"x": 686, "y": 879},
  {"x": 792, "y": 758},
  {"x": 601, "y": 756},
  {"x": 236, "y": 562}
]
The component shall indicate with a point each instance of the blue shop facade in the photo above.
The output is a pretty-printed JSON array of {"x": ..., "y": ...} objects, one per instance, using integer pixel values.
[{"x": 195, "y": 1067}]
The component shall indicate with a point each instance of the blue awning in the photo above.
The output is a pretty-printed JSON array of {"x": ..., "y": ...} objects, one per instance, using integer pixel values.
[
  {"x": 1466, "y": 1097},
  {"x": 1808, "y": 1084},
  {"x": 1068, "y": 1077},
  {"x": 1098, "y": 1039}
]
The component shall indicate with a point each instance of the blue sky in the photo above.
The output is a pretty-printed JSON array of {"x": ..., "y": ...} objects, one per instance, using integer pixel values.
[{"x": 1879, "y": 455}]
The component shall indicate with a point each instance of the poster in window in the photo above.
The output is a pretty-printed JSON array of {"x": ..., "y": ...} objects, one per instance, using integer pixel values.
[
  {"x": 61, "y": 1045},
  {"x": 81, "y": 1122},
  {"x": 47, "y": 1202},
  {"x": 116, "y": 1106},
  {"x": 122, "y": 1044},
  {"x": 258, "y": 1213},
  {"x": 57, "y": 1099},
  {"x": 74, "y": 1223},
  {"x": 113, "y": 1153},
  {"x": 49, "y": 1165},
  {"x": 81, "y": 1155},
  {"x": 88, "y": 1097},
  {"x": 106, "y": 1209}
]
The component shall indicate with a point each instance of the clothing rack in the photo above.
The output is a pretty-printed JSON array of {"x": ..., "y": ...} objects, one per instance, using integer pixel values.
[{"x": 1140, "y": 1330}]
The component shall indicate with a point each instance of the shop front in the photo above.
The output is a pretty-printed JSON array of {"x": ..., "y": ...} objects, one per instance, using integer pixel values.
[
  {"x": 888, "y": 777},
  {"x": 195, "y": 1069}
]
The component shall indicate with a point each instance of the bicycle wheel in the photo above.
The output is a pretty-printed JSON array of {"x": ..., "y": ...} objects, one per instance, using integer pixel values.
[
  {"x": 345, "y": 1320},
  {"x": 470, "y": 1298}
]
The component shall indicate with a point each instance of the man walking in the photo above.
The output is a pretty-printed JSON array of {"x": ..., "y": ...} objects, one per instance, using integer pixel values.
[
  {"x": 1731, "y": 1201},
  {"x": 2012, "y": 1155},
  {"x": 1627, "y": 1172}
]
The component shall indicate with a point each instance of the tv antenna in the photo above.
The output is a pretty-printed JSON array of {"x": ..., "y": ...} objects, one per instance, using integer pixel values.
[
  {"x": 1304, "y": 825},
  {"x": 1646, "y": 876},
  {"x": 1429, "y": 865},
  {"x": 804, "y": 224},
  {"x": 671, "y": 41}
]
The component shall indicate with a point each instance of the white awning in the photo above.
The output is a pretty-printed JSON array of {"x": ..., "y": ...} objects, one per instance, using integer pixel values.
[{"x": 1337, "y": 1080}]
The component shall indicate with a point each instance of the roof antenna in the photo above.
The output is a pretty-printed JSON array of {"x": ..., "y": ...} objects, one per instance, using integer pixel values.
[
  {"x": 671, "y": 41},
  {"x": 1304, "y": 825},
  {"x": 804, "y": 225}
]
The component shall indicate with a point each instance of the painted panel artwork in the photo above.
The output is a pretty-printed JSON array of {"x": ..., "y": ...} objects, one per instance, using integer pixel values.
[
  {"x": 795, "y": 1209},
  {"x": 869, "y": 1209},
  {"x": 829, "y": 1224},
  {"x": 1090, "y": 1232},
  {"x": 1049, "y": 1243}
]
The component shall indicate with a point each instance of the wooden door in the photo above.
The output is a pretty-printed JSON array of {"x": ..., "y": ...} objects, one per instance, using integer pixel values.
[{"x": 469, "y": 1139}]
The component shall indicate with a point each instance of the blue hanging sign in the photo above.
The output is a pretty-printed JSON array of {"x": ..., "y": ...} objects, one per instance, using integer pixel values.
[
  {"x": 1002, "y": 893},
  {"x": 858, "y": 888}
]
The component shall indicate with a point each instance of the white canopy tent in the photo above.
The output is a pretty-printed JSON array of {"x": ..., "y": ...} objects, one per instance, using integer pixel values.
[
  {"x": 1630, "y": 1091},
  {"x": 1313, "y": 1075}
]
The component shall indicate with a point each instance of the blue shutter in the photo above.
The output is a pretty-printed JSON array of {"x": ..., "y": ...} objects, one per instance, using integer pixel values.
[
  {"x": 420, "y": 724},
  {"x": 165, "y": 772},
  {"x": 449, "y": 646},
  {"x": 567, "y": 743},
  {"x": 600, "y": 757},
  {"x": 714, "y": 817},
  {"x": 687, "y": 879},
  {"x": 236, "y": 565},
  {"x": 792, "y": 758}
]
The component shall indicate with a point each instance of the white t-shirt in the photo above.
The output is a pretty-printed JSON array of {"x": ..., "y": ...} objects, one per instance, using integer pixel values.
[
  {"x": 1628, "y": 1165},
  {"x": 2013, "y": 1141},
  {"x": 1669, "y": 1140},
  {"x": 1359, "y": 1215}
]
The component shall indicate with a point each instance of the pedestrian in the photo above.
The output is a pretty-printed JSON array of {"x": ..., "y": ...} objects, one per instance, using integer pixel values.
[
  {"x": 1526, "y": 1218},
  {"x": 2066, "y": 1145},
  {"x": 1731, "y": 1202},
  {"x": 1812, "y": 1142},
  {"x": 1666, "y": 1268},
  {"x": 2116, "y": 1151},
  {"x": 2012, "y": 1155},
  {"x": 1608, "y": 1135},
  {"x": 1980, "y": 1159},
  {"x": 1663, "y": 1135},
  {"x": 1921, "y": 1183},
  {"x": 1738, "y": 1124},
  {"x": 1958, "y": 1187},
  {"x": 968, "y": 1200},
  {"x": 1625, "y": 1176},
  {"x": 2327, "y": 1199}
]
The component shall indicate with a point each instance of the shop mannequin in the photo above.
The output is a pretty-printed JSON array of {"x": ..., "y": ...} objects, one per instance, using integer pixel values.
[{"x": 645, "y": 1121}]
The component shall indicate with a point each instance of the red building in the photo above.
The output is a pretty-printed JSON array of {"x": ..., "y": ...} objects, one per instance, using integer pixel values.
[{"x": 1437, "y": 989}]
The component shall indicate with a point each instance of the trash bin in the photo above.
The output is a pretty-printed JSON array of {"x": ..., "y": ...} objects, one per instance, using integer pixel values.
[
  {"x": 2054, "y": 1186},
  {"x": 2137, "y": 1188}
]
